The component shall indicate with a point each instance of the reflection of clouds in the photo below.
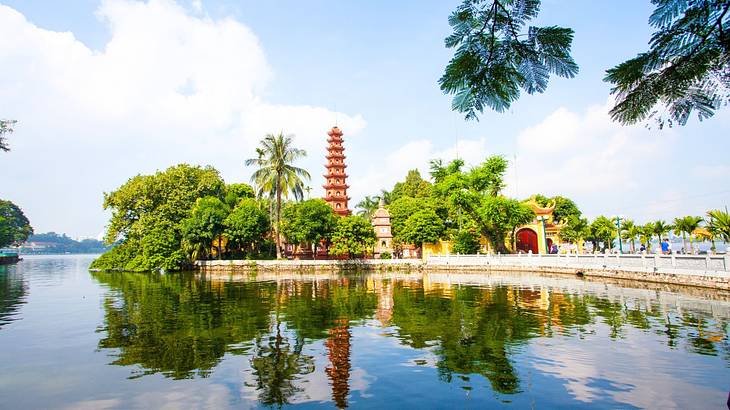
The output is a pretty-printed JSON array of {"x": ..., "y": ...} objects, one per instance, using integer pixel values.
[
  {"x": 629, "y": 371},
  {"x": 214, "y": 396},
  {"x": 360, "y": 381},
  {"x": 95, "y": 404}
]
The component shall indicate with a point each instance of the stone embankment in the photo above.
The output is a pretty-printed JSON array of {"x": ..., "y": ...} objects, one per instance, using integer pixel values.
[{"x": 703, "y": 271}]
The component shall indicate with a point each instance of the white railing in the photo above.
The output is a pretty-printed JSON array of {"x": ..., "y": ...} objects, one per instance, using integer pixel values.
[{"x": 715, "y": 263}]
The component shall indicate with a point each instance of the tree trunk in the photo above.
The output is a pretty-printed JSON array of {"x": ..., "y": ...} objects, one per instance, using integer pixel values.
[
  {"x": 278, "y": 221},
  {"x": 684, "y": 243}
]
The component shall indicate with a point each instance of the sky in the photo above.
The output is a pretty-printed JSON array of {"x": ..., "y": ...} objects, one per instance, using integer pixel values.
[{"x": 107, "y": 89}]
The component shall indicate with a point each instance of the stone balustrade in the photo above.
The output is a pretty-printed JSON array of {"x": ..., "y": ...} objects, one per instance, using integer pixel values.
[{"x": 697, "y": 263}]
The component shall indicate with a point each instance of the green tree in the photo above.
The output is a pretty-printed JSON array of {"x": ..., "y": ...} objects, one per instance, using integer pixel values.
[
  {"x": 574, "y": 230},
  {"x": 439, "y": 172},
  {"x": 308, "y": 222},
  {"x": 206, "y": 224},
  {"x": 602, "y": 229},
  {"x": 661, "y": 229},
  {"x": 686, "y": 226},
  {"x": 424, "y": 226},
  {"x": 353, "y": 236},
  {"x": 684, "y": 70},
  {"x": 6, "y": 127},
  {"x": 478, "y": 193},
  {"x": 414, "y": 186},
  {"x": 498, "y": 54},
  {"x": 647, "y": 234},
  {"x": 385, "y": 196},
  {"x": 719, "y": 223},
  {"x": 401, "y": 209},
  {"x": 630, "y": 231},
  {"x": 564, "y": 207},
  {"x": 147, "y": 215},
  {"x": 247, "y": 225},
  {"x": 237, "y": 192},
  {"x": 276, "y": 177},
  {"x": 368, "y": 206},
  {"x": 466, "y": 243},
  {"x": 14, "y": 226}
]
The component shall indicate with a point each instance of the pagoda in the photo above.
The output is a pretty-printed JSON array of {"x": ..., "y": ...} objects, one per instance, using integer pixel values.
[{"x": 335, "y": 186}]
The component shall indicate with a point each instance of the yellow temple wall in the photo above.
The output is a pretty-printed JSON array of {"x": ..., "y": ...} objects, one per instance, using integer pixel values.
[{"x": 436, "y": 249}]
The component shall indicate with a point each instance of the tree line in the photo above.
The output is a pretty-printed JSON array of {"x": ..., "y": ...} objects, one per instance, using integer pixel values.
[
  {"x": 186, "y": 213},
  {"x": 14, "y": 225},
  {"x": 464, "y": 206}
]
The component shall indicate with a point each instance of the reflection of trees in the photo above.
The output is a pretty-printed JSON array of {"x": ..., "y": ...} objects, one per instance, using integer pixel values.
[
  {"x": 182, "y": 326},
  {"x": 476, "y": 330},
  {"x": 178, "y": 325},
  {"x": 276, "y": 365},
  {"x": 312, "y": 308},
  {"x": 324, "y": 309},
  {"x": 13, "y": 290}
]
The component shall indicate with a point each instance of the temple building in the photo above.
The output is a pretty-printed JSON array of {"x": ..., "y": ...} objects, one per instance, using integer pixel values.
[
  {"x": 536, "y": 237},
  {"x": 539, "y": 235},
  {"x": 335, "y": 179},
  {"x": 381, "y": 224}
]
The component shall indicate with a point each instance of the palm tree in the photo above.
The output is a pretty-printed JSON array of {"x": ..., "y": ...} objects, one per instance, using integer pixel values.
[
  {"x": 718, "y": 223},
  {"x": 629, "y": 231},
  {"x": 647, "y": 234},
  {"x": 686, "y": 225},
  {"x": 276, "y": 176},
  {"x": 368, "y": 206},
  {"x": 385, "y": 196},
  {"x": 661, "y": 228}
]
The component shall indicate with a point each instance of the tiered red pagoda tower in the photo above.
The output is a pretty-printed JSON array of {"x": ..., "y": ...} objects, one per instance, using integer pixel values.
[{"x": 335, "y": 187}]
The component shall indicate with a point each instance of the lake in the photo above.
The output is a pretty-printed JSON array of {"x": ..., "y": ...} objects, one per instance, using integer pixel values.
[{"x": 70, "y": 338}]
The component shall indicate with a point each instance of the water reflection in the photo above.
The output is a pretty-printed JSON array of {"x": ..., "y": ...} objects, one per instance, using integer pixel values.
[
  {"x": 298, "y": 332},
  {"x": 13, "y": 292}
]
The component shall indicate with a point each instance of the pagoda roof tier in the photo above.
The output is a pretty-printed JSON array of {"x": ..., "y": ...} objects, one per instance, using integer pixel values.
[
  {"x": 334, "y": 131},
  {"x": 331, "y": 198},
  {"x": 335, "y": 139},
  {"x": 335, "y": 155},
  {"x": 335, "y": 174},
  {"x": 328, "y": 166},
  {"x": 335, "y": 186}
]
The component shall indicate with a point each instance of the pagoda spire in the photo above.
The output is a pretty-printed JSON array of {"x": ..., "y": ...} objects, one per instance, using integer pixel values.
[{"x": 335, "y": 186}]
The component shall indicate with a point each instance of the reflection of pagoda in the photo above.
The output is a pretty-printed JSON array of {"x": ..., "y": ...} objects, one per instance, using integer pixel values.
[
  {"x": 338, "y": 351},
  {"x": 335, "y": 186}
]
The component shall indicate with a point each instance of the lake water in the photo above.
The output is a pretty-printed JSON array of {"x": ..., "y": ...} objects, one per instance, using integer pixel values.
[{"x": 74, "y": 339}]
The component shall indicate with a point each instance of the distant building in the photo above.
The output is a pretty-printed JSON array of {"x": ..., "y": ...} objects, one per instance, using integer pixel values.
[
  {"x": 335, "y": 186},
  {"x": 381, "y": 223}
]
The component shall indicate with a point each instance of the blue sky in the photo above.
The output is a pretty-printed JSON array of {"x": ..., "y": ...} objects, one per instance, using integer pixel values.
[{"x": 101, "y": 91}]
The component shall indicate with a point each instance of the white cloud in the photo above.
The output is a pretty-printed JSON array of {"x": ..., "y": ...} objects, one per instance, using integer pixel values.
[
  {"x": 168, "y": 87},
  {"x": 584, "y": 156},
  {"x": 587, "y": 153}
]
